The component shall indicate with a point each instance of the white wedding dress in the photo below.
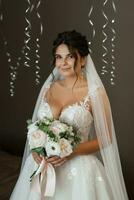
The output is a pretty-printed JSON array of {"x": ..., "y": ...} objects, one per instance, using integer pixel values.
[{"x": 83, "y": 177}]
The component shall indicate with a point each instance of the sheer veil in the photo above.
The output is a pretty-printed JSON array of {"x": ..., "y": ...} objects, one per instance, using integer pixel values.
[{"x": 104, "y": 128}]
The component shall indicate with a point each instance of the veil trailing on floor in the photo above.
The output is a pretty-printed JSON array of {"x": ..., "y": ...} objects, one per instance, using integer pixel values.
[{"x": 104, "y": 128}]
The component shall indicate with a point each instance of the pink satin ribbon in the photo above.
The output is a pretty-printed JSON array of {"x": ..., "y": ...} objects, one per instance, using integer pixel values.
[{"x": 44, "y": 180}]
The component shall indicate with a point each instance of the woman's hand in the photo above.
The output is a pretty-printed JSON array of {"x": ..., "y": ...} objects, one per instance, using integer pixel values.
[
  {"x": 56, "y": 160},
  {"x": 38, "y": 158}
]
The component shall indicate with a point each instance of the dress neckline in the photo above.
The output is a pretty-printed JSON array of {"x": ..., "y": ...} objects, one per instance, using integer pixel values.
[{"x": 78, "y": 103}]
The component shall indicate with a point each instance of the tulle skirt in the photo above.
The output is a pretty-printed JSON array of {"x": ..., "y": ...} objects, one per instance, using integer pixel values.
[{"x": 82, "y": 178}]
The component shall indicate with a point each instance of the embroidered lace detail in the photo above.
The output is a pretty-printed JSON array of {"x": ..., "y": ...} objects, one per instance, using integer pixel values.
[
  {"x": 77, "y": 114},
  {"x": 87, "y": 103}
]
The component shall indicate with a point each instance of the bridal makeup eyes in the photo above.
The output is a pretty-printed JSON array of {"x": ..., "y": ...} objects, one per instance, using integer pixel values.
[{"x": 68, "y": 57}]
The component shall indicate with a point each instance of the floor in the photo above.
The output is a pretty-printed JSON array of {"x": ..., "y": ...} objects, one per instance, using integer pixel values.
[{"x": 9, "y": 170}]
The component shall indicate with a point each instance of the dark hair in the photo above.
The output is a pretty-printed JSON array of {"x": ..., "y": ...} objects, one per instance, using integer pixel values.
[{"x": 75, "y": 42}]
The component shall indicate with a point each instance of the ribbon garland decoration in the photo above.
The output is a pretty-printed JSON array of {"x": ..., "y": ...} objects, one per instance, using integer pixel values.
[
  {"x": 37, "y": 67},
  {"x": 108, "y": 56},
  {"x": 109, "y": 63},
  {"x": 27, "y": 34},
  {"x": 93, "y": 28},
  {"x": 33, "y": 8},
  {"x": 113, "y": 45},
  {"x": 13, "y": 68},
  {"x": 25, "y": 52},
  {"x": 104, "y": 55}
]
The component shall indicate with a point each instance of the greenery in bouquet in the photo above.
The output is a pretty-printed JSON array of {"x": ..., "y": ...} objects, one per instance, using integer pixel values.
[{"x": 50, "y": 137}]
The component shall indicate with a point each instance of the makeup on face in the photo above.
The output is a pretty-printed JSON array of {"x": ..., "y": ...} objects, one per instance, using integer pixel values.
[{"x": 66, "y": 62}]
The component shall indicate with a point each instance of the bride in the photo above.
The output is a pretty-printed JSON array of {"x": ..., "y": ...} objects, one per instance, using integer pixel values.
[{"x": 74, "y": 93}]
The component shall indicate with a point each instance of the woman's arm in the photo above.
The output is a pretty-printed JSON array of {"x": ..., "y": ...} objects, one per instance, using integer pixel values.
[{"x": 85, "y": 148}]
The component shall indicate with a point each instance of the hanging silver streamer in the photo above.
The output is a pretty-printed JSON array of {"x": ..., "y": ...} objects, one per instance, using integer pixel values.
[
  {"x": 13, "y": 74},
  {"x": 108, "y": 55},
  {"x": 25, "y": 50},
  {"x": 106, "y": 66},
  {"x": 112, "y": 71},
  {"x": 27, "y": 32},
  {"x": 104, "y": 55},
  {"x": 93, "y": 28},
  {"x": 37, "y": 67},
  {"x": 13, "y": 67}
]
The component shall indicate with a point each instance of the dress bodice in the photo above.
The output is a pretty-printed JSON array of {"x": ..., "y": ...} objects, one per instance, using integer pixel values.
[{"x": 77, "y": 114}]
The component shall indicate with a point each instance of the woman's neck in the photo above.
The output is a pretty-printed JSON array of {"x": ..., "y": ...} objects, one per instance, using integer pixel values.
[{"x": 68, "y": 82}]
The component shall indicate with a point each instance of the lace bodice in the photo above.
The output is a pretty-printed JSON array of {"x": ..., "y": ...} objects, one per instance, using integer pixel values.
[{"x": 77, "y": 114}]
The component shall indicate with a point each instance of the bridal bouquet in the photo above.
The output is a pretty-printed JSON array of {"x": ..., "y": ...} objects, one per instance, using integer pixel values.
[{"x": 50, "y": 137}]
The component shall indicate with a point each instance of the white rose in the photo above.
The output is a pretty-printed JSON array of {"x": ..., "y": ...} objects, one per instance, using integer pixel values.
[
  {"x": 66, "y": 148},
  {"x": 37, "y": 139},
  {"x": 52, "y": 148},
  {"x": 58, "y": 127}
]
